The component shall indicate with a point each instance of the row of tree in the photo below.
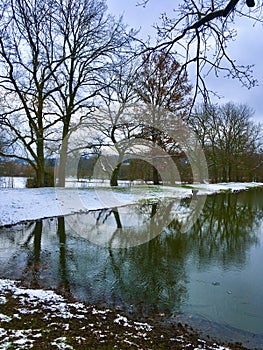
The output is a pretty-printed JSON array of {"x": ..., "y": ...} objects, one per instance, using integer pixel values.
[
  {"x": 74, "y": 81},
  {"x": 231, "y": 140}
]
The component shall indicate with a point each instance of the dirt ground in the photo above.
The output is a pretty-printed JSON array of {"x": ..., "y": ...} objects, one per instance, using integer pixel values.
[{"x": 38, "y": 319}]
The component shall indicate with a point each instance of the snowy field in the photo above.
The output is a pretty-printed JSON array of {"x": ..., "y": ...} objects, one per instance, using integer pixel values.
[{"x": 22, "y": 204}]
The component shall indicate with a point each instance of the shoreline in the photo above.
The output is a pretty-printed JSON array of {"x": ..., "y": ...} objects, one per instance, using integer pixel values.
[
  {"x": 20, "y": 205},
  {"x": 38, "y": 318}
]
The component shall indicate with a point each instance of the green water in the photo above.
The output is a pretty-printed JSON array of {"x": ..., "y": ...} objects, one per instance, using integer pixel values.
[{"x": 210, "y": 275}]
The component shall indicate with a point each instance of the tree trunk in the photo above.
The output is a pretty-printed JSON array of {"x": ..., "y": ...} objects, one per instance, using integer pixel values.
[
  {"x": 40, "y": 177},
  {"x": 40, "y": 169},
  {"x": 63, "y": 163},
  {"x": 64, "y": 285},
  {"x": 155, "y": 176},
  {"x": 35, "y": 260},
  {"x": 230, "y": 172},
  {"x": 114, "y": 175}
]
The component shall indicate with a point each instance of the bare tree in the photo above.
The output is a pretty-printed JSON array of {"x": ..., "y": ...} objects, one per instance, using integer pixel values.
[
  {"x": 89, "y": 38},
  {"x": 27, "y": 63},
  {"x": 200, "y": 31},
  {"x": 115, "y": 117}
]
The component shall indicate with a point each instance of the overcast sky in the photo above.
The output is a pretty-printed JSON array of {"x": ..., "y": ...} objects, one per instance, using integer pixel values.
[{"x": 247, "y": 49}]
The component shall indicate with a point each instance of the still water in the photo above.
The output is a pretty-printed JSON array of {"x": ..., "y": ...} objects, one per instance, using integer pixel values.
[{"x": 210, "y": 276}]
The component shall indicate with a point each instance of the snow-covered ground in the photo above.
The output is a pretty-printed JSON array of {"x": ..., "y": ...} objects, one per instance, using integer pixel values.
[{"x": 21, "y": 204}]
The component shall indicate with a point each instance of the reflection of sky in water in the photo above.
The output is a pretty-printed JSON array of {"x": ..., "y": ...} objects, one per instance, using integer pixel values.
[{"x": 214, "y": 270}]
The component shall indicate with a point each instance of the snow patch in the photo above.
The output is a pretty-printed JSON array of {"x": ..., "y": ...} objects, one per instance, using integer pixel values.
[
  {"x": 60, "y": 343},
  {"x": 5, "y": 318}
]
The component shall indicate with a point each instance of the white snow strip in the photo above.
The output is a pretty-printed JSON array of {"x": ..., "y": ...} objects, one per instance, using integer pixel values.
[
  {"x": 22, "y": 204},
  {"x": 143, "y": 326},
  {"x": 101, "y": 312}
]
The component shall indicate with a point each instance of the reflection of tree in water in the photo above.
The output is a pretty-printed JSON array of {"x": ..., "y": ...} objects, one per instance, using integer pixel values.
[
  {"x": 22, "y": 250},
  {"x": 31, "y": 261},
  {"x": 153, "y": 275},
  {"x": 63, "y": 258},
  {"x": 225, "y": 230},
  {"x": 155, "y": 272},
  {"x": 160, "y": 211},
  {"x": 33, "y": 265},
  {"x": 122, "y": 227}
]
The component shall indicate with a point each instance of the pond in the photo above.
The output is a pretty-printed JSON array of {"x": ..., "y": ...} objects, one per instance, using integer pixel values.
[{"x": 210, "y": 276}]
